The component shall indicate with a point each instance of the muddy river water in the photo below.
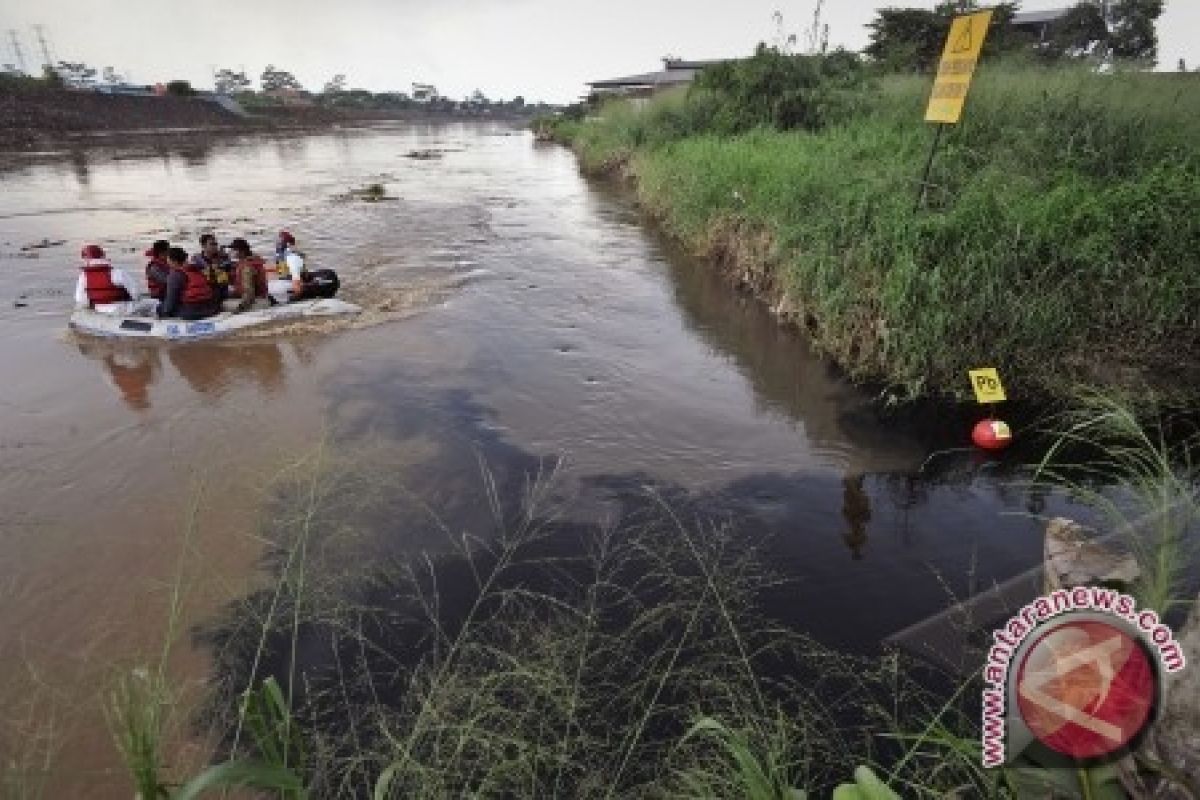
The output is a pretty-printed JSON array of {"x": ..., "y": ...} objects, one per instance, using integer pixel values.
[{"x": 519, "y": 316}]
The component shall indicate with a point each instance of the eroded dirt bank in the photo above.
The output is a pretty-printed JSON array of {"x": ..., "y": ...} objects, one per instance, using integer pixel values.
[{"x": 33, "y": 119}]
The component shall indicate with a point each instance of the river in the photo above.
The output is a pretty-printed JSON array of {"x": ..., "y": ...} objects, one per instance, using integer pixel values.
[{"x": 519, "y": 316}]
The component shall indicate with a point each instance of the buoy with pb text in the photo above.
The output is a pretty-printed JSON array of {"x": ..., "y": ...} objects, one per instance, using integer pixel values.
[{"x": 991, "y": 434}]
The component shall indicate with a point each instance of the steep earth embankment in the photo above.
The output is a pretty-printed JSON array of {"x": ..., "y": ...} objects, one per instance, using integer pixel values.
[
  {"x": 34, "y": 118},
  {"x": 31, "y": 117}
]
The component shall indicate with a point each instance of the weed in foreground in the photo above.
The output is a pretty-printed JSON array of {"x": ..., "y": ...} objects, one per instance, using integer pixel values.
[
  {"x": 543, "y": 657},
  {"x": 1150, "y": 456},
  {"x": 558, "y": 659}
]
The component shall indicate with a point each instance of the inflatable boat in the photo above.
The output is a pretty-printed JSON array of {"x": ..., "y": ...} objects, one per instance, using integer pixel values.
[{"x": 138, "y": 320}]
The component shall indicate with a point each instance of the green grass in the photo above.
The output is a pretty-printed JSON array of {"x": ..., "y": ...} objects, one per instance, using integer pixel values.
[
  {"x": 1060, "y": 241},
  {"x": 139, "y": 708}
]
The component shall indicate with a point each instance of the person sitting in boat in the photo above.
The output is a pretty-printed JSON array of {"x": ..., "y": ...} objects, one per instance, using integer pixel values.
[
  {"x": 157, "y": 269},
  {"x": 188, "y": 295},
  {"x": 249, "y": 276},
  {"x": 295, "y": 280},
  {"x": 288, "y": 283},
  {"x": 215, "y": 264},
  {"x": 100, "y": 283}
]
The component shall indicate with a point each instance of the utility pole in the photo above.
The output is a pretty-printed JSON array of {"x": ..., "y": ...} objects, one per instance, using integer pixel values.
[
  {"x": 1106, "y": 14},
  {"x": 40, "y": 32},
  {"x": 17, "y": 51}
]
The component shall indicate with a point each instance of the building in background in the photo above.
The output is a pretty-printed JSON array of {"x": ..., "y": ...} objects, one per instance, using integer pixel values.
[
  {"x": 424, "y": 93},
  {"x": 1037, "y": 23},
  {"x": 676, "y": 72}
]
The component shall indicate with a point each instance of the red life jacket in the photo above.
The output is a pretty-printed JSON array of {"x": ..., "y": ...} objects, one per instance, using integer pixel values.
[
  {"x": 260, "y": 276},
  {"x": 98, "y": 283},
  {"x": 197, "y": 290},
  {"x": 156, "y": 286}
]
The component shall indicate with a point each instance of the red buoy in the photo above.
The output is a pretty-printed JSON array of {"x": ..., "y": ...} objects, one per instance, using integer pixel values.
[{"x": 991, "y": 434}]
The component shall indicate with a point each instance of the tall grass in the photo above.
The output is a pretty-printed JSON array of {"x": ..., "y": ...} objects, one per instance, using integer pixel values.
[
  {"x": 1061, "y": 241},
  {"x": 141, "y": 707},
  {"x": 535, "y": 656},
  {"x": 547, "y": 658}
]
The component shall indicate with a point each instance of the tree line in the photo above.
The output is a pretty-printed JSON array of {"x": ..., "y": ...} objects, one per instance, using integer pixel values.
[
  {"x": 1119, "y": 31},
  {"x": 272, "y": 82}
]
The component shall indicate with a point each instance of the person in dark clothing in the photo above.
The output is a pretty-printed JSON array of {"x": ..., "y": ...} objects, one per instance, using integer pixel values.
[
  {"x": 157, "y": 270},
  {"x": 188, "y": 295},
  {"x": 217, "y": 267}
]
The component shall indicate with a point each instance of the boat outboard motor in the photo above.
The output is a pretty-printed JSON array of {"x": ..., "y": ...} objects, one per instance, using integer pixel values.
[{"x": 321, "y": 283}]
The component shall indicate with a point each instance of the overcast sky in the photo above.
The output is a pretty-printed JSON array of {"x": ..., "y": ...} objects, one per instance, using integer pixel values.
[{"x": 541, "y": 49}]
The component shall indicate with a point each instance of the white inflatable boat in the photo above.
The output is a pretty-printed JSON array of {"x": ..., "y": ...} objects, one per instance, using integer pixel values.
[{"x": 138, "y": 320}]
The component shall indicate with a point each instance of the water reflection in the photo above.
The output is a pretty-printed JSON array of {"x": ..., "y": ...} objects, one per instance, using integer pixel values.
[
  {"x": 79, "y": 166},
  {"x": 291, "y": 152},
  {"x": 132, "y": 370},
  {"x": 856, "y": 510},
  {"x": 788, "y": 376},
  {"x": 212, "y": 371},
  {"x": 80, "y": 160},
  {"x": 133, "y": 380},
  {"x": 209, "y": 369},
  {"x": 906, "y": 492}
]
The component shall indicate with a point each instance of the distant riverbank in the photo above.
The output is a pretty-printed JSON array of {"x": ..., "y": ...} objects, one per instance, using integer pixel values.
[
  {"x": 35, "y": 119},
  {"x": 1058, "y": 240}
]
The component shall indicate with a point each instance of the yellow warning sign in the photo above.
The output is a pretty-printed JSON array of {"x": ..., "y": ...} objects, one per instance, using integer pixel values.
[
  {"x": 961, "y": 54},
  {"x": 987, "y": 386}
]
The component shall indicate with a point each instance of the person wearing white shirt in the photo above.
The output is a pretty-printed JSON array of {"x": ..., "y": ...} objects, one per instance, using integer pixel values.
[
  {"x": 289, "y": 267},
  {"x": 100, "y": 283}
]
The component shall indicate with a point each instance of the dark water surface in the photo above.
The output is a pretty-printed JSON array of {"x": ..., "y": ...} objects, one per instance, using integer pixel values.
[{"x": 517, "y": 316}]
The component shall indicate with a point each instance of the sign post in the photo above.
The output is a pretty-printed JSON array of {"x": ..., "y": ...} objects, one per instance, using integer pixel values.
[{"x": 960, "y": 56}]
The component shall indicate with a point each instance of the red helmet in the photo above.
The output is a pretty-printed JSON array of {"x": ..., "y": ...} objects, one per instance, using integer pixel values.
[
  {"x": 286, "y": 237},
  {"x": 92, "y": 251}
]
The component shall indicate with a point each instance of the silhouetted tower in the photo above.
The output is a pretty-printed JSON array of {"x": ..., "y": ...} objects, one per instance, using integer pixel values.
[
  {"x": 18, "y": 53},
  {"x": 40, "y": 32}
]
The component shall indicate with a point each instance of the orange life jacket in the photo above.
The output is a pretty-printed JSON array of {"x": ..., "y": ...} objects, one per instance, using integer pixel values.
[
  {"x": 260, "y": 276},
  {"x": 98, "y": 283},
  {"x": 197, "y": 290}
]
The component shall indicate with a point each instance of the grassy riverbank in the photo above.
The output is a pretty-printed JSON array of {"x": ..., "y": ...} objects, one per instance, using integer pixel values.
[{"x": 1059, "y": 242}]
